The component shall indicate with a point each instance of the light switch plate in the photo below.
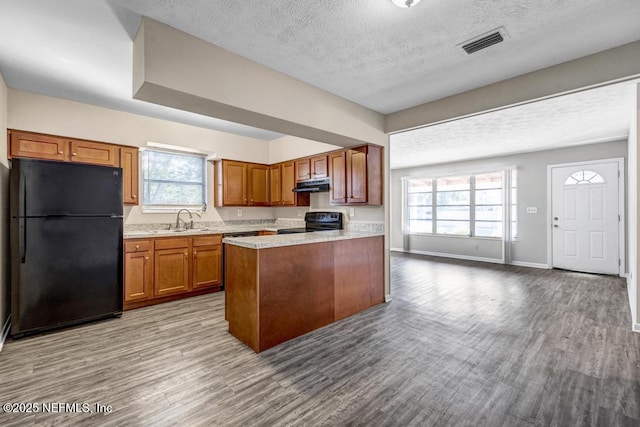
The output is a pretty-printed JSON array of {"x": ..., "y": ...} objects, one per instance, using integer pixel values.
[
  {"x": 239, "y": 212},
  {"x": 532, "y": 210},
  {"x": 352, "y": 212}
]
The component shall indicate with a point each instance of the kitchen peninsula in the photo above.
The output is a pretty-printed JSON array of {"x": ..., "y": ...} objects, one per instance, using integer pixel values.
[{"x": 283, "y": 286}]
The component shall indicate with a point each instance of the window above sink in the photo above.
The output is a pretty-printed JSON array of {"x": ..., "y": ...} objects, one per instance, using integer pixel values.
[{"x": 172, "y": 181}]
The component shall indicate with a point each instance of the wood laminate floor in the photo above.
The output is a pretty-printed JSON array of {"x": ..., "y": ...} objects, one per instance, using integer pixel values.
[{"x": 461, "y": 343}]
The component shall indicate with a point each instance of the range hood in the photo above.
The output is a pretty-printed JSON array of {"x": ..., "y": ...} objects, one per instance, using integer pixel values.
[{"x": 313, "y": 186}]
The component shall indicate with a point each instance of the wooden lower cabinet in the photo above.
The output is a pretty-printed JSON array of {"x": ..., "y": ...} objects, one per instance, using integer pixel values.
[
  {"x": 207, "y": 262},
  {"x": 171, "y": 271},
  {"x": 164, "y": 269},
  {"x": 138, "y": 271}
]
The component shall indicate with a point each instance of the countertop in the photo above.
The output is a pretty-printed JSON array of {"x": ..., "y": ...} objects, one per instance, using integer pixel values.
[
  {"x": 274, "y": 241},
  {"x": 199, "y": 231}
]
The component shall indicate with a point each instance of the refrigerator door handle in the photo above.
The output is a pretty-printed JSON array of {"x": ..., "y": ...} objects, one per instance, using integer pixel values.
[{"x": 22, "y": 222}]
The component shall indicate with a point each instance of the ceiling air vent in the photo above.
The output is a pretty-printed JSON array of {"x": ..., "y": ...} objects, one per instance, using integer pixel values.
[{"x": 483, "y": 42}]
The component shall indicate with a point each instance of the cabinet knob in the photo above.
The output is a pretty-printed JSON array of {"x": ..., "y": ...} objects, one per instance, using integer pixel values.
[
  {"x": 60, "y": 152},
  {"x": 146, "y": 258},
  {"x": 137, "y": 246},
  {"x": 133, "y": 196},
  {"x": 75, "y": 154}
]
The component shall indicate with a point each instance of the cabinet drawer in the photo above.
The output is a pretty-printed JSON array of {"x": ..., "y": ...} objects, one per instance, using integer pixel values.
[
  {"x": 172, "y": 243},
  {"x": 214, "y": 239},
  {"x": 138, "y": 246}
]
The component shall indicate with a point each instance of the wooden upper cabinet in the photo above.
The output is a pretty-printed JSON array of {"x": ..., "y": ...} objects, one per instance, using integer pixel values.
[
  {"x": 338, "y": 170},
  {"x": 96, "y": 153},
  {"x": 37, "y": 146},
  {"x": 319, "y": 166},
  {"x": 258, "y": 178},
  {"x": 303, "y": 169},
  {"x": 356, "y": 176},
  {"x": 289, "y": 198},
  {"x": 130, "y": 175},
  {"x": 232, "y": 183},
  {"x": 275, "y": 185}
]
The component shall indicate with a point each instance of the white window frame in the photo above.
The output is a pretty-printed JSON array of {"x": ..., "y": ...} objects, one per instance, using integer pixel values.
[
  {"x": 146, "y": 208},
  {"x": 506, "y": 205}
]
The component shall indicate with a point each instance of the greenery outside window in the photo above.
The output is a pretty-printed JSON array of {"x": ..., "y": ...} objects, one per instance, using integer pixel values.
[
  {"x": 468, "y": 205},
  {"x": 172, "y": 181}
]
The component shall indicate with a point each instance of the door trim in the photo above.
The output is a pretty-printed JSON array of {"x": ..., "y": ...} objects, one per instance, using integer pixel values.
[{"x": 621, "y": 211}]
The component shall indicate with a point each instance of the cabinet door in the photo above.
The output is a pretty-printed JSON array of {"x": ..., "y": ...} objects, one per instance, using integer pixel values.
[
  {"x": 288, "y": 184},
  {"x": 357, "y": 175},
  {"x": 207, "y": 266},
  {"x": 95, "y": 153},
  {"x": 319, "y": 167},
  {"x": 129, "y": 164},
  {"x": 234, "y": 183},
  {"x": 303, "y": 170},
  {"x": 275, "y": 185},
  {"x": 258, "y": 185},
  {"x": 25, "y": 144},
  {"x": 338, "y": 169},
  {"x": 171, "y": 271},
  {"x": 138, "y": 276}
]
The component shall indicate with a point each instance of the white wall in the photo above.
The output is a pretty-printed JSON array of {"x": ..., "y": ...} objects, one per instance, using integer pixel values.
[
  {"x": 531, "y": 247},
  {"x": 632, "y": 204},
  {"x": 4, "y": 197}
]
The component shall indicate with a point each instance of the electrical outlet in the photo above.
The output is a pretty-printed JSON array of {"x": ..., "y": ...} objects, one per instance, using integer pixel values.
[
  {"x": 532, "y": 210},
  {"x": 352, "y": 212},
  {"x": 239, "y": 212}
]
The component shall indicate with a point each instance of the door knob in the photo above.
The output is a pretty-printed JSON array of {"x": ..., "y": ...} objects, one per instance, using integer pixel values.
[
  {"x": 555, "y": 225},
  {"x": 555, "y": 218}
]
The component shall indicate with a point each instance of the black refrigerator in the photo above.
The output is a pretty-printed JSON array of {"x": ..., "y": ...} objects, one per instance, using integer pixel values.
[{"x": 66, "y": 244}]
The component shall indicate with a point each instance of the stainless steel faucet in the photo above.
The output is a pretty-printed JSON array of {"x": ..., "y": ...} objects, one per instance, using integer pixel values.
[{"x": 185, "y": 223}]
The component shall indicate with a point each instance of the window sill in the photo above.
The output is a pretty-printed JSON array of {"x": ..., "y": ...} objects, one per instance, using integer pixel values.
[{"x": 453, "y": 236}]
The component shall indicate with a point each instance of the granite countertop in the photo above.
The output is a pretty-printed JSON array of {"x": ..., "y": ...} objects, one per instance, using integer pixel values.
[
  {"x": 274, "y": 241},
  {"x": 138, "y": 234}
]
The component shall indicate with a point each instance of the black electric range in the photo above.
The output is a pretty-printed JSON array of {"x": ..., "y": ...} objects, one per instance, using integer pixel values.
[{"x": 317, "y": 221}]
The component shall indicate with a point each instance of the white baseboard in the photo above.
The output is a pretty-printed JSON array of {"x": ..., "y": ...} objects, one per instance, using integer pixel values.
[
  {"x": 397, "y": 250},
  {"x": 530, "y": 264},
  {"x": 4, "y": 332},
  {"x": 387, "y": 298},
  {"x": 636, "y": 327}
]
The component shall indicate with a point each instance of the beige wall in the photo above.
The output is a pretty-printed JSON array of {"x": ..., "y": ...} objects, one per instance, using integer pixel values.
[
  {"x": 592, "y": 70},
  {"x": 33, "y": 112},
  {"x": 176, "y": 69},
  {"x": 291, "y": 147},
  {"x": 4, "y": 208},
  {"x": 632, "y": 206}
]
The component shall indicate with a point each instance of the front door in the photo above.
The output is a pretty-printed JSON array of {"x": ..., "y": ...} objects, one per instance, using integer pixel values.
[{"x": 585, "y": 217}]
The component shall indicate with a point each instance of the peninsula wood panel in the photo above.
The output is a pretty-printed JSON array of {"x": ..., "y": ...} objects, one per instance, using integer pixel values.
[
  {"x": 358, "y": 275},
  {"x": 295, "y": 291},
  {"x": 241, "y": 294}
]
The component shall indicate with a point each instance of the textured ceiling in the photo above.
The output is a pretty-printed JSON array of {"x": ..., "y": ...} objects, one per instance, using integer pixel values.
[
  {"x": 369, "y": 51},
  {"x": 601, "y": 114},
  {"x": 82, "y": 50},
  {"x": 387, "y": 58}
]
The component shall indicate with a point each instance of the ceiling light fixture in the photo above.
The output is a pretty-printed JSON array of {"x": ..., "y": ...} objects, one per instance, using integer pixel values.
[{"x": 405, "y": 3}]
